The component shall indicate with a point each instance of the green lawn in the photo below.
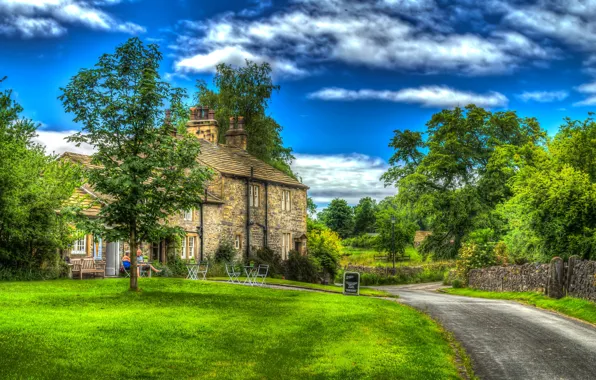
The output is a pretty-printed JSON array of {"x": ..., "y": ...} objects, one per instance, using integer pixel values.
[
  {"x": 366, "y": 257},
  {"x": 574, "y": 307},
  {"x": 177, "y": 328},
  {"x": 306, "y": 285}
]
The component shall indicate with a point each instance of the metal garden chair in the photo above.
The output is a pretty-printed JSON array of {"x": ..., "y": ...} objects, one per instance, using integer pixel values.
[
  {"x": 202, "y": 269},
  {"x": 261, "y": 272},
  {"x": 233, "y": 273}
]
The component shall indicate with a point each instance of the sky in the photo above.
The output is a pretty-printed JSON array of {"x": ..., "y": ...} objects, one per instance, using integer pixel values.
[{"x": 350, "y": 72}]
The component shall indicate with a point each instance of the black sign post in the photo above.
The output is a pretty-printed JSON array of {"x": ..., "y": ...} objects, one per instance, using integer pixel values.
[{"x": 352, "y": 283}]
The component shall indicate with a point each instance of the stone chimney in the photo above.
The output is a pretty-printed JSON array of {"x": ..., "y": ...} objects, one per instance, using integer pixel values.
[
  {"x": 202, "y": 123},
  {"x": 236, "y": 136}
]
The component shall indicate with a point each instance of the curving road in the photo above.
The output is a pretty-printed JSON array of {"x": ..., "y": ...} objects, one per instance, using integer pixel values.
[{"x": 508, "y": 340}]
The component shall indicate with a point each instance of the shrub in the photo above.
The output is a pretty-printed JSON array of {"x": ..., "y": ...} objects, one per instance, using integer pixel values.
[
  {"x": 471, "y": 256},
  {"x": 300, "y": 268},
  {"x": 324, "y": 246},
  {"x": 362, "y": 241},
  {"x": 457, "y": 283},
  {"x": 225, "y": 252},
  {"x": 267, "y": 256}
]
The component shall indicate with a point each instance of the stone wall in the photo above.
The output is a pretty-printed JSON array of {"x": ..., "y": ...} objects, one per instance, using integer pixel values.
[
  {"x": 578, "y": 280},
  {"x": 514, "y": 278}
]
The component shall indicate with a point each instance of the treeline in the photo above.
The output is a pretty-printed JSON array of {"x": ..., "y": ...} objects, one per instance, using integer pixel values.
[{"x": 495, "y": 186}]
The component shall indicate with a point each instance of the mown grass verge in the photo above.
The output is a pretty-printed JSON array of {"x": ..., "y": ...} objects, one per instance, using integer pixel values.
[
  {"x": 175, "y": 328},
  {"x": 306, "y": 285},
  {"x": 573, "y": 307}
]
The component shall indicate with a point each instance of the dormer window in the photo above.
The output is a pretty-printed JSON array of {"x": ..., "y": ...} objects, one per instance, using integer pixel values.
[{"x": 286, "y": 201}]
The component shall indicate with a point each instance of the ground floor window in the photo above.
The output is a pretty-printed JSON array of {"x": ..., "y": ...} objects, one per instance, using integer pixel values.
[
  {"x": 189, "y": 247},
  {"x": 237, "y": 243},
  {"x": 79, "y": 247},
  {"x": 285, "y": 245}
]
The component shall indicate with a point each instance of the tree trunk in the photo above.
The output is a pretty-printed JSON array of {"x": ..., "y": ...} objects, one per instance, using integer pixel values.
[{"x": 134, "y": 282}]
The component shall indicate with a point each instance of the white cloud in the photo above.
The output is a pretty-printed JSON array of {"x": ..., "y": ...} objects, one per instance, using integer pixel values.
[
  {"x": 55, "y": 142},
  {"x": 543, "y": 96},
  {"x": 590, "y": 89},
  {"x": 48, "y": 18},
  {"x": 393, "y": 35},
  {"x": 350, "y": 177},
  {"x": 427, "y": 96}
]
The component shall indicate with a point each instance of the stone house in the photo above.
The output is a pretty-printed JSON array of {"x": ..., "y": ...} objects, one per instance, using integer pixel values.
[{"x": 248, "y": 202}]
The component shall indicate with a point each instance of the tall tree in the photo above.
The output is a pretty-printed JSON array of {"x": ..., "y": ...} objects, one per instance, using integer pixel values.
[
  {"x": 395, "y": 226},
  {"x": 364, "y": 216},
  {"x": 446, "y": 179},
  {"x": 144, "y": 172},
  {"x": 246, "y": 91},
  {"x": 33, "y": 187},
  {"x": 339, "y": 217}
]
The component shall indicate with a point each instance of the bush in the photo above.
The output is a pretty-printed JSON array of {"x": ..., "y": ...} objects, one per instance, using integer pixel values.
[
  {"x": 471, "y": 256},
  {"x": 324, "y": 247},
  {"x": 405, "y": 275},
  {"x": 457, "y": 283},
  {"x": 300, "y": 268},
  {"x": 267, "y": 256},
  {"x": 226, "y": 252}
]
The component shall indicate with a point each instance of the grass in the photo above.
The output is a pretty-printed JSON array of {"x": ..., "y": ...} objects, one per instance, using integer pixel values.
[
  {"x": 366, "y": 257},
  {"x": 573, "y": 307},
  {"x": 327, "y": 288},
  {"x": 176, "y": 328}
]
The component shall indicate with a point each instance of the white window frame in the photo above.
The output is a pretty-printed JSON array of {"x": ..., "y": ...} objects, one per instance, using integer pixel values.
[
  {"x": 183, "y": 254},
  {"x": 286, "y": 200},
  {"x": 191, "y": 247},
  {"x": 76, "y": 245},
  {"x": 286, "y": 238},
  {"x": 237, "y": 242},
  {"x": 188, "y": 215},
  {"x": 253, "y": 195}
]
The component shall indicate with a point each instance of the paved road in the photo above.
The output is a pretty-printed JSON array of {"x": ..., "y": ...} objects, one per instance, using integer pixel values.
[{"x": 507, "y": 340}]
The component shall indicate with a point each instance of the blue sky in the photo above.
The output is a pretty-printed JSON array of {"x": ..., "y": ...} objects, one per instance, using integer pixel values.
[{"x": 350, "y": 72}]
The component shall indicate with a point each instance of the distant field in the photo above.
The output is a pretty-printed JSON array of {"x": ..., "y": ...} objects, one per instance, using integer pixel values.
[
  {"x": 361, "y": 256},
  {"x": 182, "y": 329}
]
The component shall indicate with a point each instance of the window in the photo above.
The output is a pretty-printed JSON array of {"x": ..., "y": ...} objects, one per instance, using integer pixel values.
[
  {"x": 286, "y": 202},
  {"x": 184, "y": 248},
  {"x": 191, "y": 247},
  {"x": 188, "y": 215},
  {"x": 285, "y": 245},
  {"x": 237, "y": 244},
  {"x": 79, "y": 247},
  {"x": 253, "y": 195}
]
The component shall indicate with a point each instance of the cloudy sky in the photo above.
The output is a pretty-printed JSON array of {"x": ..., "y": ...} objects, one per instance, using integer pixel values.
[{"x": 350, "y": 72}]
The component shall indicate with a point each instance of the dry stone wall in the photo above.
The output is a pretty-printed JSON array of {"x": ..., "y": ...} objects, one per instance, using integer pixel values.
[{"x": 577, "y": 278}]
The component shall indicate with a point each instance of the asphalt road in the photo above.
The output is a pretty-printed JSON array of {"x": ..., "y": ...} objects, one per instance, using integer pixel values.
[{"x": 507, "y": 340}]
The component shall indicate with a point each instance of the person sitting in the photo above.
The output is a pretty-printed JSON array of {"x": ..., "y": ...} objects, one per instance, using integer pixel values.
[
  {"x": 126, "y": 260},
  {"x": 140, "y": 260}
]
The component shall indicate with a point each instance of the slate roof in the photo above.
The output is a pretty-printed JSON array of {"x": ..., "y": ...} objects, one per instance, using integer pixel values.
[{"x": 237, "y": 162}]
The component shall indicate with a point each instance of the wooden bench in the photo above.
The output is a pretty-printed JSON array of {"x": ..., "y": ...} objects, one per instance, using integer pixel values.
[
  {"x": 381, "y": 258},
  {"x": 89, "y": 266}
]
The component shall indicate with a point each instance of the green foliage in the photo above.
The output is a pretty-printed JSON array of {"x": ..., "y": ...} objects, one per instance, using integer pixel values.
[
  {"x": 267, "y": 256},
  {"x": 324, "y": 247},
  {"x": 473, "y": 255},
  {"x": 311, "y": 207},
  {"x": 226, "y": 253},
  {"x": 446, "y": 178},
  {"x": 339, "y": 217},
  {"x": 362, "y": 241},
  {"x": 33, "y": 191},
  {"x": 246, "y": 91},
  {"x": 364, "y": 216},
  {"x": 405, "y": 275},
  {"x": 144, "y": 171},
  {"x": 301, "y": 268},
  {"x": 395, "y": 227}
]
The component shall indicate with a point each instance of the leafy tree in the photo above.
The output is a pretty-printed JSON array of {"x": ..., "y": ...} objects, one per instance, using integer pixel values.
[
  {"x": 445, "y": 177},
  {"x": 311, "y": 207},
  {"x": 143, "y": 171},
  {"x": 33, "y": 187},
  {"x": 364, "y": 216},
  {"x": 396, "y": 228},
  {"x": 246, "y": 91},
  {"x": 339, "y": 217}
]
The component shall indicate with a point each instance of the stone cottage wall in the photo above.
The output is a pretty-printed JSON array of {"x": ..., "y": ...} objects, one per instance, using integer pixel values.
[{"x": 579, "y": 278}]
